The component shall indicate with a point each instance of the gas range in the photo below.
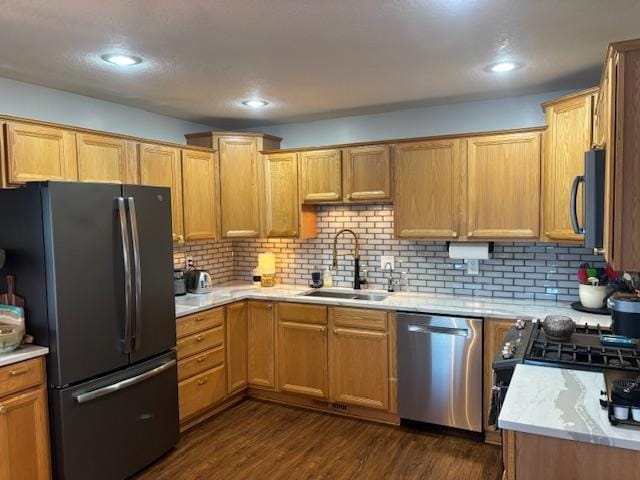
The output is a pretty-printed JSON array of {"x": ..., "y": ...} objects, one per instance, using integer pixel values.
[{"x": 527, "y": 343}]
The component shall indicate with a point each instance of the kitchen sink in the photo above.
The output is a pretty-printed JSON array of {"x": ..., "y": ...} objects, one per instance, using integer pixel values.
[{"x": 372, "y": 297}]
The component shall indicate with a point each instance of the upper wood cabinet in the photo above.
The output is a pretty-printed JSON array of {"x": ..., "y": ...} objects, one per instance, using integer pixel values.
[
  {"x": 367, "y": 173},
  {"x": 358, "y": 357},
  {"x": 38, "y": 153},
  {"x": 320, "y": 176},
  {"x": 302, "y": 349},
  {"x": 161, "y": 166},
  {"x": 239, "y": 187},
  {"x": 106, "y": 159},
  {"x": 622, "y": 142},
  {"x": 281, "y": 202},
  {"x": 236, "y": 345},
  {"x": 503, "y": 186},
  {"x": 568, "y": 137},
  {"x": 428, "y": 189},
  {"x": 198, "y": 195},
  {"x": 262, "y": 345}
]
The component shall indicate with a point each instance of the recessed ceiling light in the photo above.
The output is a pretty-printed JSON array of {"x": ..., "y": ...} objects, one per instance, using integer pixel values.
[
  {"x": 502, "y": 67},
  {"x": 122, "y": 60},
  {"x": 255, "y": 103}
]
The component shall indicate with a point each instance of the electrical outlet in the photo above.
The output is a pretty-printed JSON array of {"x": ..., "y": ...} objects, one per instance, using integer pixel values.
[
  {"x": 473, "y": 267},
  {"x": 387, "y": 259}
]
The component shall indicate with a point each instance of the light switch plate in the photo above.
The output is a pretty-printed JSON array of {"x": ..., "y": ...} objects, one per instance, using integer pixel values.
[{"x": 384, "y": 259}]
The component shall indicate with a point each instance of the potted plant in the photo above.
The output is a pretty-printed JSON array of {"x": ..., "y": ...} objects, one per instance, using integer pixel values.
[{"x": 595, "y": 284}]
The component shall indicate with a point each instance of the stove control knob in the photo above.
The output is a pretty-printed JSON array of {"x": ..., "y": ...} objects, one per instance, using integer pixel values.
[
  {"x": 520, "y": 324},
  {"x": 507, "y": 354}
]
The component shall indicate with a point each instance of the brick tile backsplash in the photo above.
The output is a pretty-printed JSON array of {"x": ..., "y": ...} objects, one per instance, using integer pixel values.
[{"x": 515, "y": 269}]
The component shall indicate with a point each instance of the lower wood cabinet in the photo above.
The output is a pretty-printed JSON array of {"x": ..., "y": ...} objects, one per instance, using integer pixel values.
[
  {"x": 494, "y": 332},
  {"x": 302, "y": 349},
  {"x": 358, "y": 357},
  {"x": 201, "y": 362},
  {"x": 236, "y": 334},
  {"x": 262, "y": 345},
  {"x": 201, "y": 391},
  {"x": 24, "y": 423}
]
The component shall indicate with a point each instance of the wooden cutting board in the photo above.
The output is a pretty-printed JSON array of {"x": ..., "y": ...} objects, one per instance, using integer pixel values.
[{"x": 10, "y": 298}]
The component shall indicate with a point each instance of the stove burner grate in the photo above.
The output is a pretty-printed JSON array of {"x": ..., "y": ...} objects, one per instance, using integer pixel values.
[{"x": 581, "y": 355}]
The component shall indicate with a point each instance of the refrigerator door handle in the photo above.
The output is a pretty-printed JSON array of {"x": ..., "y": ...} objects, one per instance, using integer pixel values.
[
  {"x": 137, "y": 272},
  {"x": 128, "y": 293},
  {"x": 101, "y": 392}
]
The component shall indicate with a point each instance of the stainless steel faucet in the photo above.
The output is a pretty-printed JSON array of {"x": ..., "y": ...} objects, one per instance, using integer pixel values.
[
  {"x": 390, "y": 281},
  {"x": 357, "y": 281}
]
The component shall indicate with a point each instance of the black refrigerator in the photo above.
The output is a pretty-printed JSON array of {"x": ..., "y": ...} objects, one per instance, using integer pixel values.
[{"x": 94, "y": 263}]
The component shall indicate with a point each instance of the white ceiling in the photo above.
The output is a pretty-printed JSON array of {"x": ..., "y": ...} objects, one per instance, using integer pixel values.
[{"x": 309, "y": 58}]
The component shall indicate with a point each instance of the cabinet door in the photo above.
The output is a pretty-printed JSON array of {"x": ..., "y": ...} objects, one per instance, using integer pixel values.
[
  {"x": 358, "y": 360},
  {"x": 495, "y": 331},
  {"x": 281, "y": 206},
  {"x": 24, "y": 436},
  {"x": 236, "y": 347},
  {"x": 503, "y": 186},
  {"x": 106, "y": 159},
  {"x": 428, "y": 189},
  {"x": 239, "y": 187},
  {"x": 37, "y": 153},
  {"x": 320, "y": 176},
  {"x": 198, "y": 195},
  {"x": 161, "y": 166},
  {"x": 367, "y": 173},
  {"x": 302, "y": 350},
  {"x": 568, "y": 136},
  {"x": 262, "y": 345}
]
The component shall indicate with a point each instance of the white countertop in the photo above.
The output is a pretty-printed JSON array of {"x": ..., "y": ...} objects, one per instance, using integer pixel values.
[
  {"x": 399, "y": 301},
  {"x": 562, "y": 403},
  {"x": 23, "y": 352}
]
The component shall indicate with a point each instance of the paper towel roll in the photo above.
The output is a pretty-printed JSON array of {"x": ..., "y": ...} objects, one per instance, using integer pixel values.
[{"x": 469, "y": 251}]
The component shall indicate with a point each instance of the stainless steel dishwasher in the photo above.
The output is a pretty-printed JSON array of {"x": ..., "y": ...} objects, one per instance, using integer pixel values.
[{"x": 440, "y": 370}]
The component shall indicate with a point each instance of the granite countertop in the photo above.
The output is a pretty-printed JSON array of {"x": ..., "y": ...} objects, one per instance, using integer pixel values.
[
  {"x": 399, "y": 301},
  {"x": 23, "y": 352},
  {"x": 562, "y": 403}
]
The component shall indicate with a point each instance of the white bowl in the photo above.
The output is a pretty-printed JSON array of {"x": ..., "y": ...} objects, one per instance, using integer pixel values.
[
  {"x": 592, "y": 296},
  {"x": 621, "y": 413}
]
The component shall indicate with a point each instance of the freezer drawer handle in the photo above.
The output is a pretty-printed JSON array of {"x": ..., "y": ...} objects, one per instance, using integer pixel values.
[
  {"x": 137, "y": 273},
  {"x": 462, "y": 332},
  {"x": 101, "y": 392}
]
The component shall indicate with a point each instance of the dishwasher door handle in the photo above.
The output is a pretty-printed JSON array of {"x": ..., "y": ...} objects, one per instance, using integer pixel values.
[{"x": 461, "y": 332}]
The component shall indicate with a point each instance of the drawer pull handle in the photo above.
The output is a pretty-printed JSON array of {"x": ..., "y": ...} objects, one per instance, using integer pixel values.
[
  {"x": 199, "y": 338},
  {"x": 200, "y": 319},
  {"x": 201, "y": 358},
  {"x": 22, "y": 371},
  {"x": 202, "y": 381}
]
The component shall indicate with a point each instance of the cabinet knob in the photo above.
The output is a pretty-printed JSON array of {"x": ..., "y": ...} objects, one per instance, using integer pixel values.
[
  {"x": 199, "y": 338},
  {"x": 454, "y": 234},
  {"x": 202, "y": 381},
  {"x": 201, "y": 358},
  {"x": 3, "y": 409}
]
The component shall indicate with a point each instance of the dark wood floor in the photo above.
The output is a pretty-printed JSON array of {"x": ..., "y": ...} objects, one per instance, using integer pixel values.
[{"x": 260, "y": 440}]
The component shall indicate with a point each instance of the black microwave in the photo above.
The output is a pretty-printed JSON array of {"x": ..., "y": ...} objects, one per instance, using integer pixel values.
[{"x": 593, "y": 199}]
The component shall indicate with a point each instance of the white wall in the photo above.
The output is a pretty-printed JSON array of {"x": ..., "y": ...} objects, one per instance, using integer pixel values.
[
  {"x": 498, "y": 114},
  {"x": 41, "y": 103}
]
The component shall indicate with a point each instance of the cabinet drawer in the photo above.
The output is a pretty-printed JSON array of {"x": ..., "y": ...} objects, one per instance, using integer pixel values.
[
  {"x": 200, "y": 342},
  {"x": 199, "y": 363},
  {"x": 20, "y": 376},
  {"x": 299, "y": 312},
  {"x": 202, "y": 391},
  {"x": 199, "y": 321},
  {"x": 360, "y": 318}
]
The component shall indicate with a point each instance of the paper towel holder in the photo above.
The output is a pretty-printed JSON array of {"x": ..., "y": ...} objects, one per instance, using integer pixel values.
[{"x": 490, "y": 245}]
